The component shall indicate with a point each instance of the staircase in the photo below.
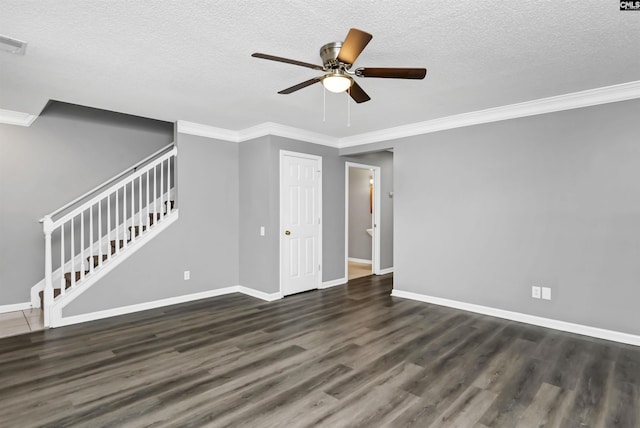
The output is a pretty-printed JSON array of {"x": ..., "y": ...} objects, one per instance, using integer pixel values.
[{"x": 90, "y": 236}]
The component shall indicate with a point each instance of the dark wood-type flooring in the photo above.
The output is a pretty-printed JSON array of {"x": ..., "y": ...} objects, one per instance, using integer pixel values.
[{"x": 346, "y": 356}]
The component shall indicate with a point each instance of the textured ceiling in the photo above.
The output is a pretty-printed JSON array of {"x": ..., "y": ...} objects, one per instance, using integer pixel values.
[{"x": 179, "y": 60}]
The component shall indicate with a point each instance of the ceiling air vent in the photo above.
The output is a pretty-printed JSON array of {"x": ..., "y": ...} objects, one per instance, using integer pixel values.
[{"x": 13, "y": 46}]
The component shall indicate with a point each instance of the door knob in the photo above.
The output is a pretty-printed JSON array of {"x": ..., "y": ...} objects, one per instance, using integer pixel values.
[{"x": 287, "y": 232}]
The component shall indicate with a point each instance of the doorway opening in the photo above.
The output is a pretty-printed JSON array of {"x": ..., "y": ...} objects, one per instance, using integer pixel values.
[{"x": 362, "y": 220}]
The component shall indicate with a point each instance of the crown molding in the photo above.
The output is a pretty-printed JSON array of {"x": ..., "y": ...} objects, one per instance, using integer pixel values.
[
  {"x": 276, "y": 129},
  {"x": 201, "y": 130},
  {"x": 261, "y": 130},
  {"x": 11, "y": 117},
  {"x": 591, "y": 97}
]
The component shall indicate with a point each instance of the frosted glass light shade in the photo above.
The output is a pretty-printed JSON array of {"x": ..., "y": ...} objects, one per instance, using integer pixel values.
[{"x": 336, "y": 83}]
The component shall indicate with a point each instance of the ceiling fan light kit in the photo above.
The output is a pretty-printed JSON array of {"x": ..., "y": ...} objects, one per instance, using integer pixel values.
[
  {"x": 337, "y": 82},
  {"x": 337, "y": 59}
]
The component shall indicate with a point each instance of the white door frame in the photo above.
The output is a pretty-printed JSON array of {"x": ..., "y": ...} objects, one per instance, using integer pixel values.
[
  {"x": 376, "y": 226},
  {"x": 281, "y": 222}
]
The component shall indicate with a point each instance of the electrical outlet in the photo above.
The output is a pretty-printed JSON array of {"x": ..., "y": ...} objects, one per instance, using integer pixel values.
[
  {"x": 187, "y": 275},
  {"x": 535, "y": 292},
  {"x": 546, "y": 293},
  {"x": 261, "y": 230}
]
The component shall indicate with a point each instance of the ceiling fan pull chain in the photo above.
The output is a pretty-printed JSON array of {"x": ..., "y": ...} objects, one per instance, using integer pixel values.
[
  {"x": 348, "y": 107},
  {"x": 324, "y": 104}
]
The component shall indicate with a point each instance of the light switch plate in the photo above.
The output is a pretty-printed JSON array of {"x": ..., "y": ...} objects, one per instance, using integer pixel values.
[{"x": 535, "y": 292}]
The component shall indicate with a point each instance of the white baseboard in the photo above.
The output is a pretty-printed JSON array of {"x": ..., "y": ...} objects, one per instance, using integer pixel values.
[
  {"x": 259, "y": 294},
  {"x": 584, "y": 330},
  {"x": 356, "y": 260},
  {"x": 332, "y": 283},
  {"x": 15, "y": 307},
  {"x": 123, "y": 310},
  {"x": 385, "y": 271}
]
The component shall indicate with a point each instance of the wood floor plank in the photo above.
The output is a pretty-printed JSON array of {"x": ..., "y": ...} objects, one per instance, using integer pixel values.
[
  {"x": 516, "y": 395},
  {"x": 465, "y": 410},
  {"x": 538, "y": 411},
  {"x": 350, "y": 355},
  {"x": 591, "y": 390}
]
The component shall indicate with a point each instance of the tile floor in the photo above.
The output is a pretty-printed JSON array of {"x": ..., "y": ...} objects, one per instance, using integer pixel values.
[
  {"x": 358, "y": 270},
  {"x": 20, "y": 322}
]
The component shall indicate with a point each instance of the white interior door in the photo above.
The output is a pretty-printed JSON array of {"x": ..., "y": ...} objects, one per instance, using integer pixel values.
[{"x": 300, "y": 229}]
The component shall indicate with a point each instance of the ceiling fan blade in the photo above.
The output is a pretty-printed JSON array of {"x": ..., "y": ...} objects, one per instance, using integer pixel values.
[
  {"x": 392, "y": 73},
  {"x": 358, "y": 94},
  {"x": 300, "y": 85},
  {"x": 353, "y": 45},
  {"x": 287, "y": 60}
]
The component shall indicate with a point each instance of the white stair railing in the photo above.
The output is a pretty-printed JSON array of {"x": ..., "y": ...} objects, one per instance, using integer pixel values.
[{"x": 89, "y": 233}]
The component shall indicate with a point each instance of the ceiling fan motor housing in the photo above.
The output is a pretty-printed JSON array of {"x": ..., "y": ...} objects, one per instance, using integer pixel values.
[{"x": 329, "y": 54}]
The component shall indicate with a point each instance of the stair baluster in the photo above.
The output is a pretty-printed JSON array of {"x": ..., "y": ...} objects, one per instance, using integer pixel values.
[
  {"x": 47, "y": 226},
  {"x": 82, "y": 245},
  {"x": 98, "y": 237},
  {"x": 162, "y": 188},
  {"x": 72, "y": 243}
]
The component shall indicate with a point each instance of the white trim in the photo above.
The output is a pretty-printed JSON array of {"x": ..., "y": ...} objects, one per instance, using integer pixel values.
[
  {"x": 270, "y": 128},
  {"x": 604, "y": 95},
  {"x": 76, "y": 319},
  {"x": 584, "y": 330},
  {"x": 318, "y": 159},
  {"x": 375, "y": 242},
  {"x": 590, "y": 97},
  {"x": 200, "y": 130},
  {"x": 377, "y": 226},
  {"x": 332, "y": 283},
  {"x": 259, "y": 294},
  {"x": 123, "y": 310},
  {"x": 261, "y": 130},
  {"x": 356, "y": 260},
  {"x": 11, "y": 117},
  {"x": 385, "y": 271},
  {"x": 15, "y": 307}
]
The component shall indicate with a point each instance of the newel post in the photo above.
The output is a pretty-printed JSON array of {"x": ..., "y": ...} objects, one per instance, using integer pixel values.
[{"x": 47, "y": 226}]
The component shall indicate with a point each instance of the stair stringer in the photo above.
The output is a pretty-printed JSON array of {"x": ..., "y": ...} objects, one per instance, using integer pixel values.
[{"x": 56, "y": 319}]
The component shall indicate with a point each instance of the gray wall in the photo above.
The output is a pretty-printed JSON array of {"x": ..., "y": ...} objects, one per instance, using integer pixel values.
[
  {"x": 260, "y": 206},
  {"x": 204, "y": 240},
  {"x": 360, "y": 217},
  {"x": 226, "y": 192},
  {"x": 383, "y": 159},
  {"x": 485, "y": 212},
  {"x": 258, "y": 254},
  {"x": 67, "y": 151}
]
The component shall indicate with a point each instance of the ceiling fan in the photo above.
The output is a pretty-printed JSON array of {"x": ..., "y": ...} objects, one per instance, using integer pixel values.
[{"x": 337, "y": 60}]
